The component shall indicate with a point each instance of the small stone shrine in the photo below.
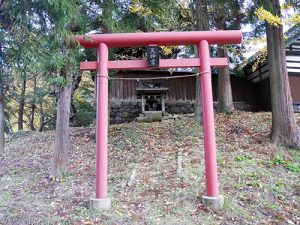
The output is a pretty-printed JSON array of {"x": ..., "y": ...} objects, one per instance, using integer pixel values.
[{"x": 153, "y": 96}]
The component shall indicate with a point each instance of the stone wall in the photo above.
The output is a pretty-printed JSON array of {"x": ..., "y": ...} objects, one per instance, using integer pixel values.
[
  {"x": 126, "y": 111},
  {"x": 180, "y": 107}
]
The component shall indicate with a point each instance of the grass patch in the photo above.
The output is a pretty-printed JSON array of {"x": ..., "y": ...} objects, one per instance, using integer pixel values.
[
  {"x": 241, "y": 158},
  {"x": 289, "y": 165}
]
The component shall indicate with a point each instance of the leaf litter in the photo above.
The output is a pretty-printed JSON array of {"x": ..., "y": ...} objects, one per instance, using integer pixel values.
[{"x": 156, "y": 175}]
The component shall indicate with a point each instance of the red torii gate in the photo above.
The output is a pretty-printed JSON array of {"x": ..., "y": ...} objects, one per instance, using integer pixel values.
[{"x": 200, "y": 38}]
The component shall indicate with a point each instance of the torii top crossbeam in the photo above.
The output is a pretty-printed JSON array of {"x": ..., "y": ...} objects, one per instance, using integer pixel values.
[{"x": 159, "y": 38}]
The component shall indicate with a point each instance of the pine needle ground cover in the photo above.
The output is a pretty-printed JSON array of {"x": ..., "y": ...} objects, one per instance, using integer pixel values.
[{"x": 156, "y": 175}]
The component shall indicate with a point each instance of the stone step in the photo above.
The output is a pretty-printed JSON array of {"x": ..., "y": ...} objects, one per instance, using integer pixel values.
[
  {"x": 148, "y": 119},
  {"x": 153, "y": 114},
  {"x": 150, "y": 116}
]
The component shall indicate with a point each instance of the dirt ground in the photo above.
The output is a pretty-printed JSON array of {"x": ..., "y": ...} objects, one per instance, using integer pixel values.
[{"x": 156, "y": 175}]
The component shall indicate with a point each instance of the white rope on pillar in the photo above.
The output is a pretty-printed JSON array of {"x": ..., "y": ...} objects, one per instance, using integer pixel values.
[
  {"x": 105, "y": 76},
  {"x": 154, "y": 78}
]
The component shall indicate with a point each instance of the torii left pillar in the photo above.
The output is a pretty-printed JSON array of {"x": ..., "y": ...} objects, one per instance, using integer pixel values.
[{"x": 102, "y": 201}]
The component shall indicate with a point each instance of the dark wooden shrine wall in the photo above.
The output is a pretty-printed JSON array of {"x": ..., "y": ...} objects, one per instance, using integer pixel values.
[
  {"x": 259, "y": 97},
  {"x": 295, "y": 87},
  {"x": 237, "y": 86},
  {"x": 180, "y": 89}
]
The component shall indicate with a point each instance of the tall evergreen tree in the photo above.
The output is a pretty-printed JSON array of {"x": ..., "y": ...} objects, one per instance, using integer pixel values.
[
  {"x": 227, "y": 15},
  {"x": 67, "y": 20},
  {"x": 202, "y": 24},
  {"x": 53, "y": 21},
  {"x": 2, "y": 117},
  {"x": 284, "y": 126}
]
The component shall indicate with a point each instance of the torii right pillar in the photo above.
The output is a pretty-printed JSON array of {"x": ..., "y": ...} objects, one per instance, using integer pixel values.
[{"x": 212, "y": 198}]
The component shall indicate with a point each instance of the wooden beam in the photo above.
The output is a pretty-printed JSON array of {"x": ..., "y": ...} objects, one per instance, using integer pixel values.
[
  {"x": 163, "y": 63},
  {"x": 159, "y": 38},
  {"x": 88, "y": 65}
]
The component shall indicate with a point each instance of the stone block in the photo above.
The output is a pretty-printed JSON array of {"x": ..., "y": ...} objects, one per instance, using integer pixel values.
[
  {"x": 125, "y": 114},
  {"x": 98, "y": 204},
  {"x": 183, "y": 109},
  {"x": 125, "y": 104},
  {"x": 148, "y": 119},
  {"x": 215, "y": 203},
  {"x": 153, "y": 114},
  {"x": 119, "y": 114},
  {"x": 118, "y": 119},
  {"x": 115, "y": 104},
  {"x": 190, "y": 109},
  {"x": 174, "y": 109}
]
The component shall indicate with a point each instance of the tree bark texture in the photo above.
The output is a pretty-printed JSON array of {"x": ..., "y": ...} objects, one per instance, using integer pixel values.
[
  {"x": 225, "y": 102},
  {"x": 284, "y": 126},
  {"x": 7, "y": 126},
  {"x": 42, "y": 115},
  {"x": 62, "y": 135},
  {"x": 22, "y": 104},
  {"x": 33, "y": 106},
  {"x": 75, "y": 86},
  {"x": 2, "y": 117},
  {"x": 202, "y": 23}
]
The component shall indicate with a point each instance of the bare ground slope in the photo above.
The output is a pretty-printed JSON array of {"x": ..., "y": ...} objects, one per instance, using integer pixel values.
[{"x": 156, "y": 176}]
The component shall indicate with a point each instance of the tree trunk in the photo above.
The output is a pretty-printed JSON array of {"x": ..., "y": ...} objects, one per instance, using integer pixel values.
[
  {"x": 31, "y": 121},
  {"x": 202, "y": 15},
  {"x": 284, "y": 127},
  {"x": 75, "y": 86},
  {"x": 42, "y": 116},
  {"x": 7, "y": 126},
  {"x": 2, "y": 120},
  {"x": 225, "y": 103},
  {"x": 201, "y": 24},
  {"x": 62, "y": 136},
  {"x": 22, "y": 103}
]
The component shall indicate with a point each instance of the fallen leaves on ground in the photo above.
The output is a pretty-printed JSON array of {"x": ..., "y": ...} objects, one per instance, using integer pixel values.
[{"x": 156, "y": 175}]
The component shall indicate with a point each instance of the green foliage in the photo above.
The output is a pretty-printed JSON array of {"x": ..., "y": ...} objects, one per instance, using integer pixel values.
[
  {"x": 59, "y": 81},
  {"x": 35, "y": 36},
  {"x": 83, "y": 99},
  {"x": 278, "y": 160},
  {"x": 294, "y": 167},
  {"x": 241, "y": 158},
  {"x": 32, "y": 37},
  {"x": 278, "y": 187},
  {"x": 161, "y": 15},
  {"x": 83, "y": 211},
  {"x": 291, "y": 166}
]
